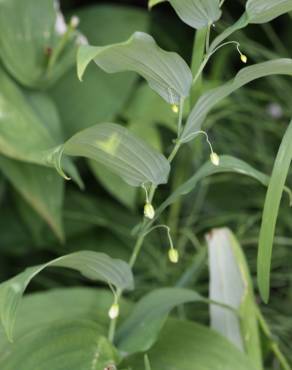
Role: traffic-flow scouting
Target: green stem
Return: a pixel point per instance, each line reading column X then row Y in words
column 138, row 246
column 273, row 345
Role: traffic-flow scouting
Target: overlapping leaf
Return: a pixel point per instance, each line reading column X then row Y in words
column 94, row 266
column 187, row 345
column 166, row 72
column 213, row 97
column 140, row 330
column 227, row 164
column 37, row 28
column 120, row 151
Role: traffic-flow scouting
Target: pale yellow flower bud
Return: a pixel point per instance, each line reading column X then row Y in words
column 243, row 58
column 149, row 211
column 215, row 159
column 174, row 108
column 114, row 311
column 74, row 21
column 173, row 255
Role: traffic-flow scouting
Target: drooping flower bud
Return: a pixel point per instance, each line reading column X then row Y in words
column 114, row 311
column 243, row 58
column 149, row 211
column 173, row 255
column 174, row 108
column 215, row 159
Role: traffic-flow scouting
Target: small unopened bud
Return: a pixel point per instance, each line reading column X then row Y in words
column 174, row 108
column 74, row 22
column 215, row 159
column 173, row 255
column 149, row 211
column 243, row 58
column 114, row 311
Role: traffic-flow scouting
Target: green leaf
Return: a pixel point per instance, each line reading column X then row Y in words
column 92, row 265
column 120, row 190
column 211, row 98
column 166, row 72
column 100, row 96
column 183, row 345
column 121, row 152
column 231, row 284
column 36, row 29
column 68, row 344
column 140, row 330
column 87, row 309
column 271, row 210
column 42, row 189
column 197, row 13
column 227, row 164
column 262, row 11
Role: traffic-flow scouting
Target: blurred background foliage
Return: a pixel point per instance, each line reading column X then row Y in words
column 42, row 217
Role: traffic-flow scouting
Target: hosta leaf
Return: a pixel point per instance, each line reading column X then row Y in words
column 67, row 344
column 227, row 164
column 100, row 96
column 187, row 345
column 94, row 266
column 37, row 27
column 140, row 330
column 197, row 13
column 231, row 284
column 211, row 98
column 87, row 310
column 41, row 187
column 262, row 11
column 120, row 151
column 166, row 72
column 270, row 213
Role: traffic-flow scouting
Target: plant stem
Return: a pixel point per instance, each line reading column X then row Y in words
column 138, row 245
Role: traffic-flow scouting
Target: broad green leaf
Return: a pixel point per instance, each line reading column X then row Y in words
column 38, row 28
column 121, row 152
column 100, row 96
column 92, row 265
column 23, row 135
column 262, row 11
column 166, row 72
column 120, row 190
column 227, row 164
column 41, row 187
column 187, row 345
column 140, row 330
column 270, row 212
column 231, row 284
column 211, row 98
column 197, row 13
column 68, row 344
column 83, row 307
